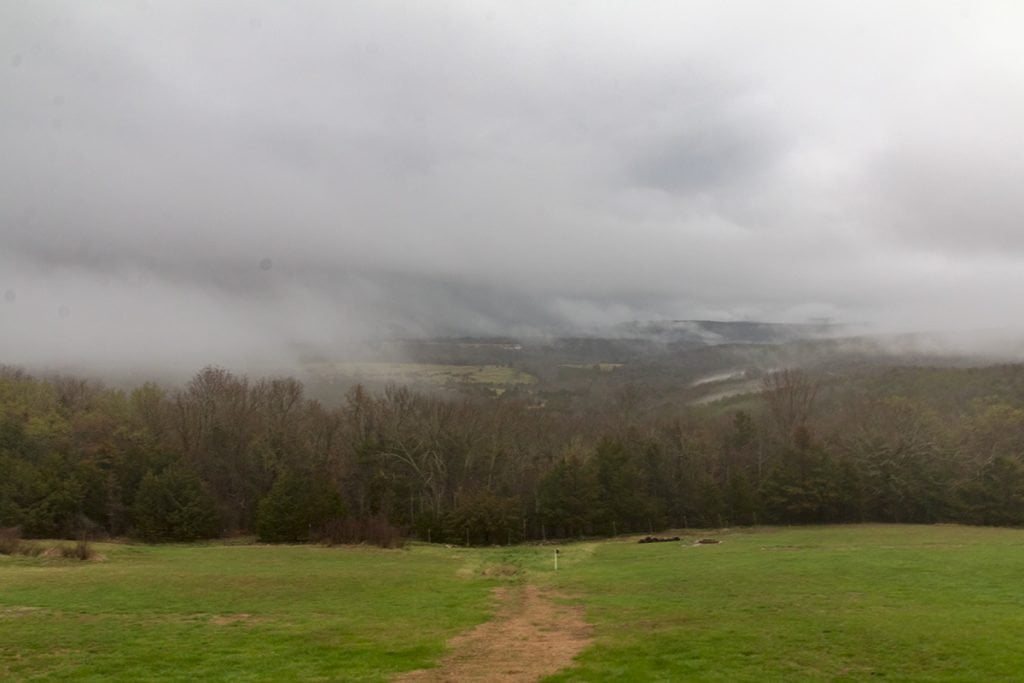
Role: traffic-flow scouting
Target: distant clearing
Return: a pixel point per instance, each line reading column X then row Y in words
column 725, row 390
column 728, row 375
column 599, row 367
column 412, row 373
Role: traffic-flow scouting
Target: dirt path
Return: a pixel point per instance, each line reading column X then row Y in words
column 530, row 637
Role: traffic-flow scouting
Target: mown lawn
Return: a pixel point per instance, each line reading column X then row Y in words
column 832, row 603
column 239, row 612
column 825, row 603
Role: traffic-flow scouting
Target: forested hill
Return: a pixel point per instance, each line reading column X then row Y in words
column 226, row 454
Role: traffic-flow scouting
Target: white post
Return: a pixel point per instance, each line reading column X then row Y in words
column 556, row 559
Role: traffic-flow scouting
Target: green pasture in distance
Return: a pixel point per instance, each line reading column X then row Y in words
column 427, row 372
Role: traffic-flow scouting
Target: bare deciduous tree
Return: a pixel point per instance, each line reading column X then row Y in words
column 790, row 394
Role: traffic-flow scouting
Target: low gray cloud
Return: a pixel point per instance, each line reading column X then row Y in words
column 195, row 182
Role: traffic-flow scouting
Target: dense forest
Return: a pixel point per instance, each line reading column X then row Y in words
column 227, row 455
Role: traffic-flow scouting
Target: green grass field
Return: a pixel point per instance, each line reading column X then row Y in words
column 240, row 612
column 828, row 603
column 832, row 603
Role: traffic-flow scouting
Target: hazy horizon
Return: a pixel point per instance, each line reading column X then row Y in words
column 192, row 183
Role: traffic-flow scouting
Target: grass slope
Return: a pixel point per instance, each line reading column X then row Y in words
column 822, row 603
column 240, row 612
column 834, row 603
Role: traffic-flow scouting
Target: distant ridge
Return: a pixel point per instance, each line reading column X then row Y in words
column 714, row 332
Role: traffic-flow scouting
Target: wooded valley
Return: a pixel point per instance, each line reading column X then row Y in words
column 227, row 454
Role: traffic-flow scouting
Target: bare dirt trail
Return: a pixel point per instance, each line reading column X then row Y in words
column 530, row 637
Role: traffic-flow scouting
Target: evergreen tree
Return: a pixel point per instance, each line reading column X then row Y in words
column 295, row 510
column 174, row 506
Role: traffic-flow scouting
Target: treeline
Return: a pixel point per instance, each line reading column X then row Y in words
column 229, row 455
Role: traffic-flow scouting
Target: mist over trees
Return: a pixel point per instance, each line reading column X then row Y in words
column 227, row 454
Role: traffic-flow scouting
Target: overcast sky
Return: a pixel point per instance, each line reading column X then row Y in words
column 205, row 181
